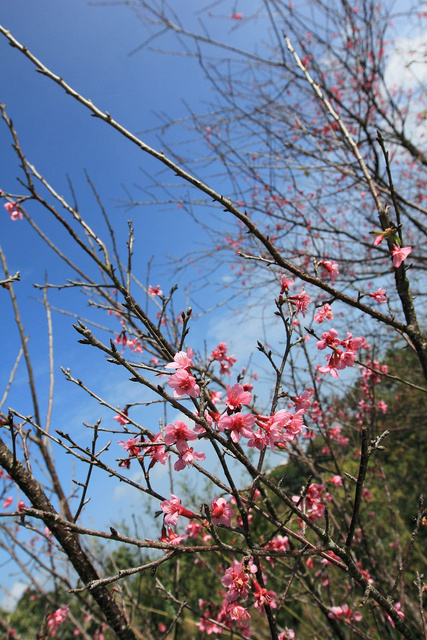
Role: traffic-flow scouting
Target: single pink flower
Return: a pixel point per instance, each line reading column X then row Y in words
column 336, row 480
column 379, row 296
column 8, row 501
column 155, row 291
column 399, row 255
column 181, row 360
column 236, row 396
column 173, row 508
column 221, row 512
column 285, row 283
column 301, row 301
column 179, row 434
column 183, row 384
column 187, row 458
column 329, row 269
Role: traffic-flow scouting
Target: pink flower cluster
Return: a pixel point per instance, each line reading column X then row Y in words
column 179, row 434
column 133, row 344
column 55, row 619
column 345, row 613
column 137, row 447
column 344, row 351
column 220, row 355
column 14, row 211
column 324, row 313
column 313, row 501
column 182, row 382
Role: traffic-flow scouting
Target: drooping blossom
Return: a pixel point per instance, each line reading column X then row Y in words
column 379, row 296
column 287, row 634
column 328, row 269
column 7, row 502
column 187, row 457
column 324, row 313
column 169, row 535
column 221, row 512
column 14, row 211
column 220, row 355
column 237, row 396
column 155, row 291
column 300, row 301
column 181, row 360
column 183, row 383
column 399, row 255
column 173, row 508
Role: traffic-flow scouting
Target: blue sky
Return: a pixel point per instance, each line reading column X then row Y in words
column 89, row 46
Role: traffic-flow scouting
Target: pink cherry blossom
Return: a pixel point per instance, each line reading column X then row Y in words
column 215, row 396
column 183, row 384
column 399, row 255
column 301, row 301
column 263, row 596
column 379, row 296
column 155, row 291
column 344, row 613
column 336, row 480
column 179, row 434
column 285, row 283
column 121, row 419
column 236, row 16
column 329, row 339
column 157, row 453
column 182, row 360
column 173, row 508
column 55, row 619
column 170, row 536
column 328, row 269
column 187, row 458
column 236, row 580
column 221, row 512
column 7, row 502
column 236, row 396
column 397, row 607
column 14, row 211
column 237, row 612
column 238, row 425
column 324, row 313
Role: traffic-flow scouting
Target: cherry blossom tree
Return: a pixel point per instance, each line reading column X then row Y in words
column 326, row 159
